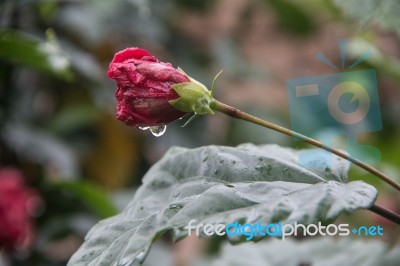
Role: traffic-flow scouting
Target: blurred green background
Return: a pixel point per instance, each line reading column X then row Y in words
column 57, row 106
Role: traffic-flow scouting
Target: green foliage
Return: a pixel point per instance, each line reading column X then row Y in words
column 71, row 118
column 387, row 64
column 384, row 13
column 201, row 5
column 292, row 17
column 25, row 50
column 217, row 184
column 94, row 197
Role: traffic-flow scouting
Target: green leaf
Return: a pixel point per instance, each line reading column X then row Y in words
column 216, row 184
column 25, row 50
column 292, row 17
column 93, row 196
column 71, row 118
column 384, row 13
column 387, row 64
column 322, row 251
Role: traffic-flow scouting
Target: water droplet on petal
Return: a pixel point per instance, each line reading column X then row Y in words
column 158, row 131
column 143, row 128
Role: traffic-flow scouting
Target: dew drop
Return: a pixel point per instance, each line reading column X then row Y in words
column 158, row 131
column 175, row 206
column 179, row 233
column 143, row 128
column 141, row 256
column 126, row 261
column 130, row 260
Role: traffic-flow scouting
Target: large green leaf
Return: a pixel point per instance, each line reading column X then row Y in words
column 384, row 13
column 321, row 252
column 217, row 184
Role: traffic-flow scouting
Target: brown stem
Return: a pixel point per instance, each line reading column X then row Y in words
column 236, row 113
column 388, row 214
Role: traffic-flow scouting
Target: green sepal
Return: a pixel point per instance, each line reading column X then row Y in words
column 190, row 120
column 193, row 97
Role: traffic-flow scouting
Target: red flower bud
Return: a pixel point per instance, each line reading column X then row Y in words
column 17, row 204
column 144, row 88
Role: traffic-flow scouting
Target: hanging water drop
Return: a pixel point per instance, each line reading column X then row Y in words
column 158, row 131
column 143, row 128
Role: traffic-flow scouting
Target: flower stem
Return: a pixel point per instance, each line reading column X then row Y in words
column 388, row 214
column 236, row 113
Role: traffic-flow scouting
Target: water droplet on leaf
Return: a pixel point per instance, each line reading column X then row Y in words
column 179, row 233
column 130, row 260
column 158, row 131
column 141, row 256
column 126, row 261
column 143, row 128
column 175, row 206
